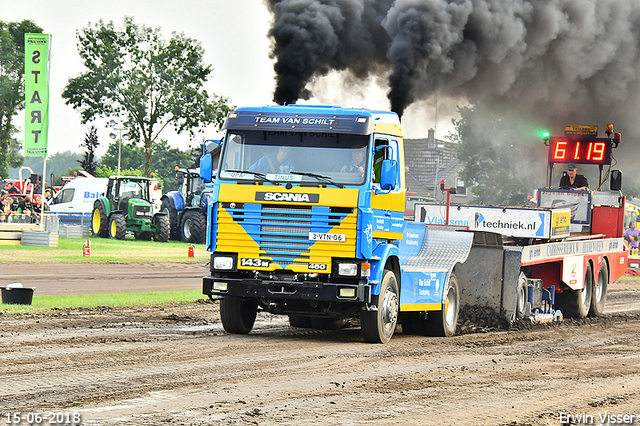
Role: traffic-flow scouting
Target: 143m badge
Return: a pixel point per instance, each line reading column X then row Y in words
column 255, row 263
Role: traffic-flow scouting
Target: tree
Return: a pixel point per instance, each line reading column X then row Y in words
column 503, row 156
column 165, row 159
column 89, row 163
column 146, row 81
column 58, row 164
column 12, row 89
column 131, row 156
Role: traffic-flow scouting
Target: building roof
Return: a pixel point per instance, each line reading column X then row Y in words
column 427, row 163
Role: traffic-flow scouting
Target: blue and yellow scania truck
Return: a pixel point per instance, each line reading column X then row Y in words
column 307, row 221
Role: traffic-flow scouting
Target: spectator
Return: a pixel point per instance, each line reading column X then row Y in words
column 631, row 235
column 25, row 206
column 10, row 188
column 7, row 205
column 39, row 207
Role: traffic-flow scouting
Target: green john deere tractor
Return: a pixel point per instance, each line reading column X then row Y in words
column 126, row 207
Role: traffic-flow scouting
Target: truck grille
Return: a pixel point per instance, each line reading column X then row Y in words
column 282, row 231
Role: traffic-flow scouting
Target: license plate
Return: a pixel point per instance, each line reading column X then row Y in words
column 254, row 263
column 319, row 236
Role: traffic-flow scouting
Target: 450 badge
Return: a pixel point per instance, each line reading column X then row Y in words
column 318, row 266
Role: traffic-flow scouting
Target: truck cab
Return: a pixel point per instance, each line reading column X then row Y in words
column 307, row 200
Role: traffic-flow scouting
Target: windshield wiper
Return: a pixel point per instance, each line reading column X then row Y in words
column 325, row 179
column 258, row 174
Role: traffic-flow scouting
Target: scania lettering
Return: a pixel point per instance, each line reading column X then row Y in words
column 279, row 196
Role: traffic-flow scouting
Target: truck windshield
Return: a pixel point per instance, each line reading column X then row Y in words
column 341, row 158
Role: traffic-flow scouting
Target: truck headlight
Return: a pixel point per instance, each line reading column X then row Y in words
column 348, row 269
column 223, row 262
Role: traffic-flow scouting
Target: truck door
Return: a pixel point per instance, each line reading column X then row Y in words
column 387, row 205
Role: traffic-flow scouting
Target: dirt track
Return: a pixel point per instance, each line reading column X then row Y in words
column 176, row 365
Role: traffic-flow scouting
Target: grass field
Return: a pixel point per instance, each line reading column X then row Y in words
column 90, row 301
column 103, row 250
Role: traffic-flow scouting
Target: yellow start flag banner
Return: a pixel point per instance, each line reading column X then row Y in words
column 36, row 88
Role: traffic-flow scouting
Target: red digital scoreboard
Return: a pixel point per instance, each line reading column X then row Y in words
column 584, row 150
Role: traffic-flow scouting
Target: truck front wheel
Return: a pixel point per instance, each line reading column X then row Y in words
column 238, row 315
column 443, row 323
column 378, row 326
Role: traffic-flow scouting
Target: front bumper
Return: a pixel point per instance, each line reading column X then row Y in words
column 286, row 290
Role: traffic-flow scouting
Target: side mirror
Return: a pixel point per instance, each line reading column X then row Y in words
column 615, row 182
column 206, row 168
column 388, row 175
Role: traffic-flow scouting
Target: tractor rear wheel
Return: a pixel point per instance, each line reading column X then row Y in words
column 99, row 221
column 172, row 214
column 193, row 227
column 162, row 228
column 117, row 226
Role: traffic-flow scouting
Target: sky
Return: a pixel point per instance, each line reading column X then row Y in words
column 234, row 37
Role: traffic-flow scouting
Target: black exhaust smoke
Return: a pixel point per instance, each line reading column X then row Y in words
column 555, row 58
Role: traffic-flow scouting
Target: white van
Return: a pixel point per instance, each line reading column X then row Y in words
column 74, row 203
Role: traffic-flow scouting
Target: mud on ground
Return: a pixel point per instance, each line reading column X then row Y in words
column 176, row 365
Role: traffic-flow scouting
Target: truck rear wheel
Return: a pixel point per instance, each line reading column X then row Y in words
column 443, row 323
column 162, row 228
column 238, row 315
column 193, row 227
column 378, row 326
column 599, row 293
column 521, row 303
column 99, row 221
column 117, row 227
column 576, row 303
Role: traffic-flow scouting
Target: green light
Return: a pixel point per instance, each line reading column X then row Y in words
column 545, row 135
